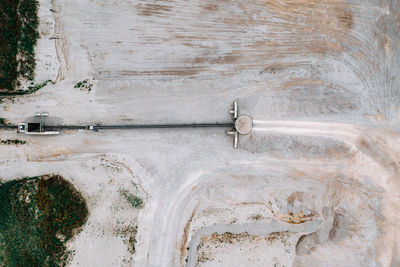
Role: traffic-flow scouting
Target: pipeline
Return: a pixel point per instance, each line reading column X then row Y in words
column 8, row 127
column 126, row 127
column 138, row 126
column 240, row 125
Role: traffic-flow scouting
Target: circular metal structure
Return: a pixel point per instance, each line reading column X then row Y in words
column 244, row 124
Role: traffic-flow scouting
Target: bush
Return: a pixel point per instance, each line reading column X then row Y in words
column 18, row 38
column 38, row 215
column 13, row 141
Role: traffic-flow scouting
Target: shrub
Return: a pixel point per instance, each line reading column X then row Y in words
column 38, row 215
column 18, row 38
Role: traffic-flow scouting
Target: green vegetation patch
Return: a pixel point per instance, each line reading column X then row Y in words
column 18, row 38
column 84, row 85
column 31, row 89
column 38, row 215
column 13, row 142
column 135, row 201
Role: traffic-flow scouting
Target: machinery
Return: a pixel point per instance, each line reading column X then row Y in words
column 35, row 128
column 242, row 124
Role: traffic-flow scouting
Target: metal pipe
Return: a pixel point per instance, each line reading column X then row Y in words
column 163, row 126
column 140, row 126
column 8, row 127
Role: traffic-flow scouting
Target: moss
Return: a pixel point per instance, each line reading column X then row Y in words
column 18, row 38
column 38, row 215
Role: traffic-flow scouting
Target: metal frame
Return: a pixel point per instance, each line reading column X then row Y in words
column 235, row 131
column 234, row 111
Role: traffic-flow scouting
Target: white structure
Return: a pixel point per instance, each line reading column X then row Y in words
column 243, row 124
column 35, row 128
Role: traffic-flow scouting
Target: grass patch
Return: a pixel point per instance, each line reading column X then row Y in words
column 38, row 215
column 18, row 38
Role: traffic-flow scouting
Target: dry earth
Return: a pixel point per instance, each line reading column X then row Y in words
column 317, row 181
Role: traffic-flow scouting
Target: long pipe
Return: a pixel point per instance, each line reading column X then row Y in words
column 8, row 127
column 125, row 127
column 142, row 126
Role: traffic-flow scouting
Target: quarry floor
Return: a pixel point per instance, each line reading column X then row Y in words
column 316, row 183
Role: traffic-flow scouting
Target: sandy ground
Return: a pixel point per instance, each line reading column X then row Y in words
column 320, row 168
column 231, row 249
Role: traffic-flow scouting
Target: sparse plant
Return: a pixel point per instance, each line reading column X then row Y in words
column 256, row 217
column 128, row 233
column 135, row 201
column 31, row 89
column 84, row 85
column 13, row 142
